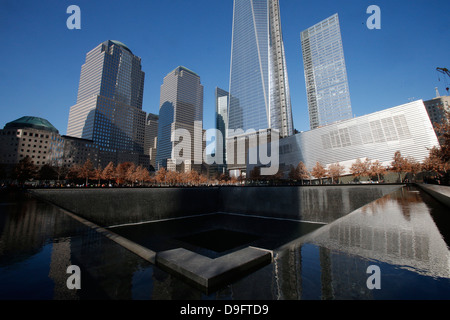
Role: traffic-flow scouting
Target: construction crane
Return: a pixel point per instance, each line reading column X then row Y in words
column 444, row 71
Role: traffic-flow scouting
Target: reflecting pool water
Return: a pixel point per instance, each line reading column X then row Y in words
column 405, row 234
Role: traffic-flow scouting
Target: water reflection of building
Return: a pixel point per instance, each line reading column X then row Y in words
column 24, row 229
column 60, row 260
column 397, row 229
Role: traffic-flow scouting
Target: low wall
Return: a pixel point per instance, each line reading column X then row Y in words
column 113, row 206
column 309, row 203
column 109, row 206
column 440, row 193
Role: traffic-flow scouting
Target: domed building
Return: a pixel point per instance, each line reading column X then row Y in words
column 30, row 136
column 31, row 122
column 40, row 140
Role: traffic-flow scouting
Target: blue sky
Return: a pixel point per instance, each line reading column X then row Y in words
column 41, row 59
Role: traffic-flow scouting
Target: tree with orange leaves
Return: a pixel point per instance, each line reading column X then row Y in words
column 319, row 171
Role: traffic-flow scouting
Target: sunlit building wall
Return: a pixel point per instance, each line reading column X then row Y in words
column 109, row 104
column 377, row 136
column 181, row 107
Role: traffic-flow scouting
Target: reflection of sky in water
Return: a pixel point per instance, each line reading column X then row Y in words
column 403, row 233
column 28, row 278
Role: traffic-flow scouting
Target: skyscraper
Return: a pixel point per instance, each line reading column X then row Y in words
column 259, row 88
column 151, row 137
column 325, row 73
column 109, row 104
column 181, row 107
column 221, row 121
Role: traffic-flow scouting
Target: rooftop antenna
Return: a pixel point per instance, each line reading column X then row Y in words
column 437, row 92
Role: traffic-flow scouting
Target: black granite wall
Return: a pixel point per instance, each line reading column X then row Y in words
column 110, row 206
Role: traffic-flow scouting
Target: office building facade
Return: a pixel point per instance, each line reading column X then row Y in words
column 259, row 86
column 222, row 98
column 436, row 109
column 39, row 140
column 109, row 103
column 181, row 107
column 31, row 137
column 377, row 136
column 326, row 81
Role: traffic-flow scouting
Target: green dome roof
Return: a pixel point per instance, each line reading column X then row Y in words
column 31, row 122
column 121, row 44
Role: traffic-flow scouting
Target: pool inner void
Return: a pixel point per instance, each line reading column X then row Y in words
column 219, row 240
column 210, row 251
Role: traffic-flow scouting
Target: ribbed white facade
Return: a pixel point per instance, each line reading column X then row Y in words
column 377, row 136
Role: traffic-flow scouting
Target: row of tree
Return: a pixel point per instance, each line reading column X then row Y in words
column 126, row 173
column 360, row 168
column 437, row 163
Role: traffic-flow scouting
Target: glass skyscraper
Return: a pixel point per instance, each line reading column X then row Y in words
column 181, row 107
column 109, row 104
column 259, row 88
column 325, row 73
